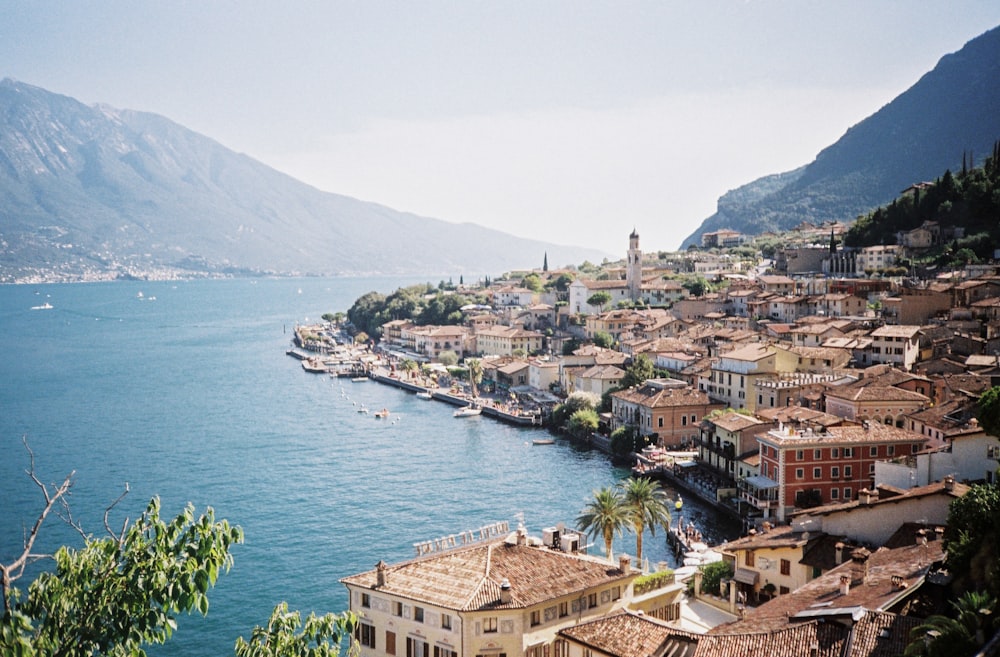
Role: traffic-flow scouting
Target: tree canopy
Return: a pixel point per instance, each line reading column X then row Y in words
column 122, row 592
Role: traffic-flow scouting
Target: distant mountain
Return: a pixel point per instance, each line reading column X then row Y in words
column 951, row 111
column 93, row 192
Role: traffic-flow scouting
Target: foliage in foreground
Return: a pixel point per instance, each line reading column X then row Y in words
column 120, row 593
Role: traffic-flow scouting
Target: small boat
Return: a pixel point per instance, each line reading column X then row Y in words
column 44, row 306
column 467, row 411
column 424, row 395
column 384, row 413
column 362, row 409
column 543, row 441
column 359, row 379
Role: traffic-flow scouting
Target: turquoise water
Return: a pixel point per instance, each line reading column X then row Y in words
column 186, row 392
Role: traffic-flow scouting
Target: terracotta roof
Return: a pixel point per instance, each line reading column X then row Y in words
column 735, row 421
column 794, row 640
column 937, row 488
column 877, row 581
column 863, row 391
column 630, row 635
column 468, row 578
column 895, row 331
column 838, row 435
column 654, row 397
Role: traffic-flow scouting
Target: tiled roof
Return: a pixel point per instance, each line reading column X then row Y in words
column 794, row 640
column 937, row 488
column 468, row 578
column 736, row 421
column 895, row 331
column 871, row 586
column 876, row 432
column 654, row 397
column 863, row 391
column 630, row 635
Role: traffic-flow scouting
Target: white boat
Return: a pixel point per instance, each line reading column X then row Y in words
column 44, row 306
column 424, row 395
column 467, row 411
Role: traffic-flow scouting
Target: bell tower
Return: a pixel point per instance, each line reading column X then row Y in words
column 633, row 270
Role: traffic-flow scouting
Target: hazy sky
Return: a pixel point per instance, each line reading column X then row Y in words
column 572, row 122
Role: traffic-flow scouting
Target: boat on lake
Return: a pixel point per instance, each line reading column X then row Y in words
column 543, row 441
column 467, row 411
column 424, row 395
column 380, row 415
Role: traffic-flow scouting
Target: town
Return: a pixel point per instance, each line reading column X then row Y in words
column 827, row 397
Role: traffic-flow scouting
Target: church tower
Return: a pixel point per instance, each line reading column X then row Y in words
column 633, row 271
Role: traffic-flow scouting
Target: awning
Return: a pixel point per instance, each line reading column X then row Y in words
column 761, row 482
column 745, row 576
column 686, row 464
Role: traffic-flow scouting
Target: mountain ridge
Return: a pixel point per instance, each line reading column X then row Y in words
column 951, row 110
column 92, row 189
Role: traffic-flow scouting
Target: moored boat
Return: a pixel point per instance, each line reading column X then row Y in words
column 467, row 411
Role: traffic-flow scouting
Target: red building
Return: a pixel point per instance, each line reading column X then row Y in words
column 805, row 468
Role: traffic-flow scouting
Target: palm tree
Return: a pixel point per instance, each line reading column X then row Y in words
column 647, row 506
column 409, row 366
column 604, row 516
column 943, row 636
column 475, row 374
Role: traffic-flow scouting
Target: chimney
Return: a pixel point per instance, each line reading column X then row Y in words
column 381, row 574
column 839, row 552
column 860, row 556
column 624, row 563
column 949, row 483
column 505, row 595
column 921, row 537
column 845, row 584
column 522, row 536
column 866, row 496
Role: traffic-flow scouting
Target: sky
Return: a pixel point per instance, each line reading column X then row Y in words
column 572, row 122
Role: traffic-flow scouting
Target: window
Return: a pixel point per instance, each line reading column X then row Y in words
column 891, row 449
column 873, row 451
column 489, row 624
column 847, row 472
column 418, row 614
column 835, row 452
column 561, row 648
column 799, row 455
column 659, row 421
column 591, row 600
column 441, row 651
column 847, row 493
column 417, row 648
column 786, row 567
column 366, row 600
column 834, row 472
column 817, row 473
column 397, row 608
column 784, row 590
column 684, row 420
column 817, row 454
column 848, row 452
column 365, row 634
column 390, row 643
column 694, row 419
column 834, row 494
column 563, row 609
column 616, row 593
column 536, row 618
column 445, row 621
column 748, row 558
column 800, row 473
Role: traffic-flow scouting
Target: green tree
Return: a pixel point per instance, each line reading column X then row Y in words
column 118, row 593
column 448, row 358
column 989, row 411
column 972, row 538
column 712, row 575
column 638, row 372
column 603, row 339
column 533, row 282
column 287, row 636
column 647, row 506
column 475, row 369
column 599, row 299
column 604, row 516
column 964, row 632
column 583, row 422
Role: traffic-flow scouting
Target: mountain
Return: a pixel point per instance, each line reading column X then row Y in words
column 952, row 111
column 97, row 192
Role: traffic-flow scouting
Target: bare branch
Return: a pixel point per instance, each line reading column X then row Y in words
column 13, row 571
column 118, row 537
